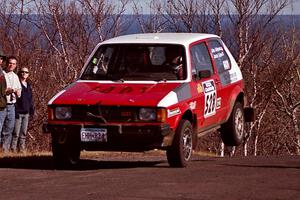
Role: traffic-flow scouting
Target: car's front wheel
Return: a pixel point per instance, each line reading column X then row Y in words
column 181, row 150
column 65, row 150
column 232, row 132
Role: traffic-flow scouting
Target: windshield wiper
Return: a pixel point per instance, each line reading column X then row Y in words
column 118, row 80
column 115, row 78
column 161, row 80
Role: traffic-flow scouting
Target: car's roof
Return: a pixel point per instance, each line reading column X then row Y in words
column 168, row 38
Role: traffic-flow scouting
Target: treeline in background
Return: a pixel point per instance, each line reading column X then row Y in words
column 53, row 38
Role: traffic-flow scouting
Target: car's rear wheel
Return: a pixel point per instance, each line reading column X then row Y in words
column 181, row 150
column 65, row 150
column 232, row 132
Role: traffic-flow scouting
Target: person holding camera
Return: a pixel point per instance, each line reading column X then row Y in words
column 13, row 91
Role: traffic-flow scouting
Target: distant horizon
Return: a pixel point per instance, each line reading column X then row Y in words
column 292, row 9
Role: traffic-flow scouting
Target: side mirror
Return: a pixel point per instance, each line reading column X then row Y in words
column 204, row 74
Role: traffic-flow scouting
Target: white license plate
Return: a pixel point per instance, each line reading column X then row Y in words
column 93, row 134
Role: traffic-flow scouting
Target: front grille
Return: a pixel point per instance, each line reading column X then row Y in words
column 105, row 113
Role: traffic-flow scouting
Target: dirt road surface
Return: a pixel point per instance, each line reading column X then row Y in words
column 143, row 176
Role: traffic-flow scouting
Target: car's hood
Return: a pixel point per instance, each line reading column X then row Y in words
column 126, row 94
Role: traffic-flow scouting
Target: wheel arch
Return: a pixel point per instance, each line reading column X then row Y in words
column 185, row 113
column 239, row 97
column 188, row 115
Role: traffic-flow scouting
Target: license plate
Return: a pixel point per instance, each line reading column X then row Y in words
column 93, row 134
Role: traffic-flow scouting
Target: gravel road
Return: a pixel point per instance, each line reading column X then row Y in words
column 147, row 176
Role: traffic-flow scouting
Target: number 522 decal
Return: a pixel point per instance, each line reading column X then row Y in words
column 210, row 102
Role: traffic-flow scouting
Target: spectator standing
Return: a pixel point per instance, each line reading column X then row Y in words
column 13, row 91
column 24, row 108
column 2, row 91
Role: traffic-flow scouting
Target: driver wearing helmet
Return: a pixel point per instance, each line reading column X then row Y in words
column 174, row 62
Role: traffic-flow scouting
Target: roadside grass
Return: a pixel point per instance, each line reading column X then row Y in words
column 27, row 154
column 102, row 154
column 89, row 160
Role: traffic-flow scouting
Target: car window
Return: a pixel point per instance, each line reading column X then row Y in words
column 200, row 58
column 220, row 56
column 135, row 62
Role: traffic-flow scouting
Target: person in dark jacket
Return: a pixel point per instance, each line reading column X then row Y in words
column 2, row 92
column 2, row 83
column 24, row 109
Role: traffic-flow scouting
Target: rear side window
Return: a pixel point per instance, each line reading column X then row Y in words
column 220, row 56
column 200, row 58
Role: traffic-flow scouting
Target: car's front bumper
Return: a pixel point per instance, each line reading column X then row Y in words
column 120, row 137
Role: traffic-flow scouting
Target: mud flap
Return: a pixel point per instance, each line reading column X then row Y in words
column 249, row 114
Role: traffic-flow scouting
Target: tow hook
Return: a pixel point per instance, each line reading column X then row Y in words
column 62, row 138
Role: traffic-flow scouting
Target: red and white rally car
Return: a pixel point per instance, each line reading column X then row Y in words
column 150, row 91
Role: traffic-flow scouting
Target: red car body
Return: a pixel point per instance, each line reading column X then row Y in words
column 127, row 100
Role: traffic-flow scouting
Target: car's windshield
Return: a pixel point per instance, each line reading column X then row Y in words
column 134, row 62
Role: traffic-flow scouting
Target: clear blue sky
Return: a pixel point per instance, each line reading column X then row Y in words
column 292, row 9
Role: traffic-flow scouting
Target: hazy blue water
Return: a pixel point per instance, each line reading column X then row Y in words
column 280, row 21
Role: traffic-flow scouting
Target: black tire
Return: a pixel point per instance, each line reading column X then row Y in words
column 65, row 150
column 182, row 147
column 232, row 132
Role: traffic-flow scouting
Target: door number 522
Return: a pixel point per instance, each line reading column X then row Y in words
column 210, row 102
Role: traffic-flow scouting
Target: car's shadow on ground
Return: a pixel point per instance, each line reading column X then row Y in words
column 47, row 163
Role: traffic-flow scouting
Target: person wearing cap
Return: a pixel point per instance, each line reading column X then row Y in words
column 2, row 91
column 13, row 91
column 24, row 109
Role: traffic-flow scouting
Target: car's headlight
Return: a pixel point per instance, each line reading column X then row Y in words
column 147, row 114
column 63, row 112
